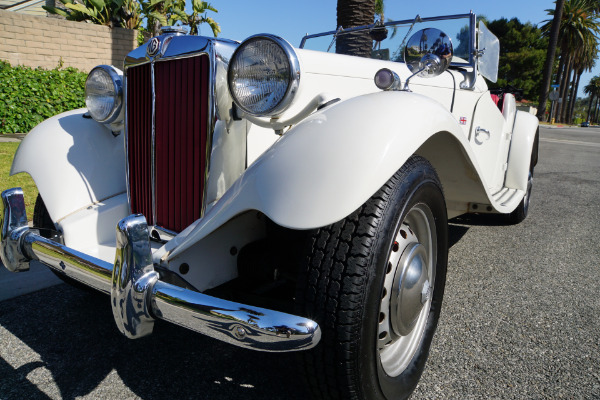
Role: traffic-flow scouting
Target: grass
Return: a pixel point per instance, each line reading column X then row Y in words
column 23, row 180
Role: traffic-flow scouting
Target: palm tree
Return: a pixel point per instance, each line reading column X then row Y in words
column 554, row 31
column 585, row 61
column 578, row 29
column 593, row 90
column 352, row 13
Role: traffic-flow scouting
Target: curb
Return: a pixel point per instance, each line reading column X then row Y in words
column 12, row 137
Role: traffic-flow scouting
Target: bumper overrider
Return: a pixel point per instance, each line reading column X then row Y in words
column 138, row 297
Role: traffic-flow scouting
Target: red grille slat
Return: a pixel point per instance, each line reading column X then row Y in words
column 178, row 147
column 139, row 136
column 181, row 131
column 198, row 145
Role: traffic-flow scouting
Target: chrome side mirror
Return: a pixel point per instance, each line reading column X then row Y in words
column 428, row 53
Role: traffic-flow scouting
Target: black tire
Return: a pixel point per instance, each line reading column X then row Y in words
column 520, row 213
column 41, row 218
column 43, row 222
column 343, row 283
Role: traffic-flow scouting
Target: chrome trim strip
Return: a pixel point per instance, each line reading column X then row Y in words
column 212, row 115
column 138, row 297
column 471, row 76
column 153, row 145
column 473, row 39
column 126, row 132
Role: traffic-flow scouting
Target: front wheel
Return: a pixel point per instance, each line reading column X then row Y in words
column 375, row 282
column 520, row 213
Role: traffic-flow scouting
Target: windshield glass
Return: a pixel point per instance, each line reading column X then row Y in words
column 387, row 43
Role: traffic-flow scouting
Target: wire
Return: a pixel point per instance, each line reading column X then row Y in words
column 453, row 92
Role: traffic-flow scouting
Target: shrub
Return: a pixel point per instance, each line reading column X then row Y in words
column 29, row 96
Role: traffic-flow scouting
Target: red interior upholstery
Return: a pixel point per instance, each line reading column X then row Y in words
column 496, row 99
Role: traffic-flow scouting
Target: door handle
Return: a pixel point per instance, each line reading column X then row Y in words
column 482, row 134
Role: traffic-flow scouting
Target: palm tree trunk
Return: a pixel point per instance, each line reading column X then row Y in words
column 564, row 54
column 574, row 90
column 351, row 13
column 559, row 75
column 590, row 107
column 549, row 63
column 564, row 87
column 567, row 100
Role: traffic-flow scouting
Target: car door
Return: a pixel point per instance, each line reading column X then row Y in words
column 490, row 142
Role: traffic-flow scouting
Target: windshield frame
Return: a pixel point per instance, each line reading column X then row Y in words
column 472, row 32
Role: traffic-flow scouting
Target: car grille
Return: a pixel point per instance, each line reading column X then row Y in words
column 181, row 119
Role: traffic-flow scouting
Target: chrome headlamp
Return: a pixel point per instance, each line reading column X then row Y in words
column 104, row 93
column 264, row 75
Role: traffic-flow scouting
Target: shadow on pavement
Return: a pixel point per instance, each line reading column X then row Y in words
column 77, row 341
column 458, row 226
column 480, row 220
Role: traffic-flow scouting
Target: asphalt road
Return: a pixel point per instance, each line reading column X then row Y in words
column 521, row 318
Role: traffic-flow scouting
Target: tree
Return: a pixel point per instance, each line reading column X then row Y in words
column 522, row 54
column 593, row 90
column 109, row 13
column 549, row 63
column 353, row 13
column 131, row 13
column 577, row 34
column 584, row 61
column 198, row 17
column 578, row 30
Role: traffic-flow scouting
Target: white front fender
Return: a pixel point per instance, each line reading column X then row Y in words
column 328, row 165
column 74, row 162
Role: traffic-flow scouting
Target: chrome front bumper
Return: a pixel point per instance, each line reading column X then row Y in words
column 138, row 297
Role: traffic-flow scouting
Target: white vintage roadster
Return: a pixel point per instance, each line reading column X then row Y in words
column 280, row 198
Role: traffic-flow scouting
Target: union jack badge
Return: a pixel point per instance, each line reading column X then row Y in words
column 463, row 120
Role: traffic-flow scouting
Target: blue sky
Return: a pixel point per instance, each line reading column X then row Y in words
column 291, row 20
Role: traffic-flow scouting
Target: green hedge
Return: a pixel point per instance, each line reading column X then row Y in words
column 28, row 96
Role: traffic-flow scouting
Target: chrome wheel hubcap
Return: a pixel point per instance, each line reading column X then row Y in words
column 407, row 291
column 410, row 282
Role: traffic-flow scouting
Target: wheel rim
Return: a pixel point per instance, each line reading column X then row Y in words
column 408, row 290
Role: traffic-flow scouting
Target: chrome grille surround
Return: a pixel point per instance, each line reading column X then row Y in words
column 172, row 48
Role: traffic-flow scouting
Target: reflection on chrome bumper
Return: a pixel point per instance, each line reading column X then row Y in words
column 138, row 297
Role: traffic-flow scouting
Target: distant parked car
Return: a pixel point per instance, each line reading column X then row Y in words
column 585, row 124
